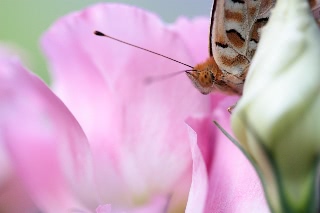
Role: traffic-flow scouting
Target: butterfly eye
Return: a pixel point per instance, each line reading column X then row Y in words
column 205, row 79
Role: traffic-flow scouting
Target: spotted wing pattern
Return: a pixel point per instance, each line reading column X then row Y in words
column 235, row 32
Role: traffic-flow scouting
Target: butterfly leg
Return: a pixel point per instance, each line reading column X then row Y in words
column 230, row 108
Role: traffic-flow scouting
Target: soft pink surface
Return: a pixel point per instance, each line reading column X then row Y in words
column 134, row 145
column 136, row 131
column 46, row 145
column 195, row 34
column 199, row 187
column 13, row 195
column 156, row 205
column 233, row 185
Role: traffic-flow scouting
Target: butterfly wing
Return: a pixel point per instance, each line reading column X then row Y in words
column 211, row 42
column 235, row 32
column 315, row 5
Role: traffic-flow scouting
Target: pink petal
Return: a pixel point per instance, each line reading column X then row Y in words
column 136, row 131
column 46, row 144
column 234, row 185
column 104, row 209
column 203, row 136
column 195, row 34
column 13, row 195
column 199, row 186
column 156, row 205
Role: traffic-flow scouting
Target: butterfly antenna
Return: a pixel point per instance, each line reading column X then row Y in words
column 98, row 33
column 152, row 79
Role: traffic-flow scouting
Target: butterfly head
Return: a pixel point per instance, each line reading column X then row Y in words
column 203, row 76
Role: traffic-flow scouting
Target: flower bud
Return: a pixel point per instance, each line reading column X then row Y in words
column 277, row 121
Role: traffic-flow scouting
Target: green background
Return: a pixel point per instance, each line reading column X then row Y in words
column 23, row 21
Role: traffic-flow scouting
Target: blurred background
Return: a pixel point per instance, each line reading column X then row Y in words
column 22, row 22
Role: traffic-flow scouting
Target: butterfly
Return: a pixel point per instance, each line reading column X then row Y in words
column 234, row 35
column 235, row 31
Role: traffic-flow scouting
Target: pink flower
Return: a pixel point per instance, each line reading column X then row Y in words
column 106, row 141
column 223, row 179
column 13, row 195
